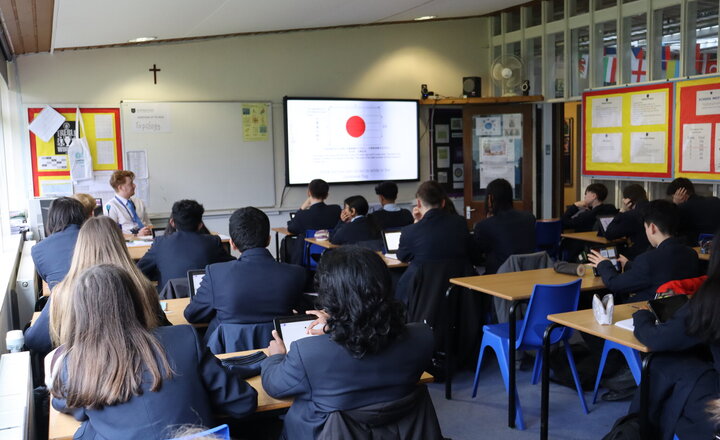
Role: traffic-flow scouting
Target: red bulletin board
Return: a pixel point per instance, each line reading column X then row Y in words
column 697, row 138
column 626, row 161
column 42, row 151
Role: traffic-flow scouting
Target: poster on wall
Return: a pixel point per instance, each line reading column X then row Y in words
column 696, row 133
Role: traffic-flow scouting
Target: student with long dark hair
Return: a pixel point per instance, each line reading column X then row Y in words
column 124, row 380
column 364, row 354
column 355, row 226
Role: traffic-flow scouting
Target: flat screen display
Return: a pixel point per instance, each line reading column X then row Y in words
column 351, row 140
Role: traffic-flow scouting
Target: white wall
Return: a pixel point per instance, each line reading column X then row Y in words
column 389, row 61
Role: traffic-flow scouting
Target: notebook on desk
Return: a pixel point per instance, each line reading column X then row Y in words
column 391, row 242
column 195, row 277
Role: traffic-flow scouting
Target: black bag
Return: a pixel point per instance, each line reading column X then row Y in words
column 625, row 428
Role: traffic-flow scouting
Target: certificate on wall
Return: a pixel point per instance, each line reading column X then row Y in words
column 649, row 108
column 607, row 147
column 607, row 112
column 648, row 147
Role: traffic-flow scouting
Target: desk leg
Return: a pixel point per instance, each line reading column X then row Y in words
column 545, row 394
column 511, row 385
column 645, row 396
column 451, row 303
column 277, row 247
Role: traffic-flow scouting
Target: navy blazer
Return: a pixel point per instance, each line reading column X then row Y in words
column 392, row 219
column 324, row 377
column 317, row 216
column 630, row 224
column 699, row 215
column 252, row 289
column 582, row 221
column 671, row 260
column 199, row 388
column 53, row 255
column 505, row 233
column 171, row 256
column 439, row 235
column 37, row 336
column 358, row 230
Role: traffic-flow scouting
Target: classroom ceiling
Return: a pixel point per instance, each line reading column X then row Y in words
column 46, row 25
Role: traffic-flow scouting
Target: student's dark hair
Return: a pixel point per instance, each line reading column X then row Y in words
column 635, row 192
column 359, row 204
column 187, row 215
column 665, row 215
column 355, row 289
column 388, row 190
column 450, row 206
column 319, row 189
column 502, row 196
column 704, row 319
column 63, row 212
column 599, row 190
column 680, row 182
column 249, row 228
column 431, row 194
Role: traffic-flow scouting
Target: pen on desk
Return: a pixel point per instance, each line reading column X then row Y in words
column 635, row 307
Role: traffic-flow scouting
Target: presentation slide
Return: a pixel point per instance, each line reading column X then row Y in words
column 351, row 140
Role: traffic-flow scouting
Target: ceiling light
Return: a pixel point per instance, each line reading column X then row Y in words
column 425, row 17
column 142, row 39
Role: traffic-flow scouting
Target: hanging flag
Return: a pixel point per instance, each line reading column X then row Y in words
column 698, row 59
column 638, row 67
column 666, row 56
column 610, row 68
column 583, row 65
column 710, row 65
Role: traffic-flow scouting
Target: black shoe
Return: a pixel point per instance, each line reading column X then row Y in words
column 621, row 380
column 622, row 394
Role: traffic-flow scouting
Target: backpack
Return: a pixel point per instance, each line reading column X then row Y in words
column 625, row 428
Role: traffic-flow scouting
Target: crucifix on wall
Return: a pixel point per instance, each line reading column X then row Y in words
column 154, row 70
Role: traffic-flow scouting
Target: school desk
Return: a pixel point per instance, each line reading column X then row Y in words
column 701, row 256
column 590, row 237
column 391, row 263
column 279, row 231
column 138, row 250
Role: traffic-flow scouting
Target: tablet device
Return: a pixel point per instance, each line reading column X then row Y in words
column 665, row 308
column 391, row 242
column 195, row 277
column 610, row 253
column 292, row 215
column 292, row 328
column 605, row 221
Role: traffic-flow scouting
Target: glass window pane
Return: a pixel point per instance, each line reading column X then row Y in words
column 703, row 189
column 658, row 190
column 703, row 16
column 497, row 144
column 497, row 29
column 635, row 62
column 555, row 10
column 666, row 45
column 604, row 4
column 579, row 60
column 533, row 64
column 556, row 68
column 610, row 185
column 606, row 56
column 513, row 49
column 497, row 89
column 512, row 20
column 533, row 14
column 579, row 7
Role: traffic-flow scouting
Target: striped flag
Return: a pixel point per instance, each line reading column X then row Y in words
column 669, row 65
column 638, row 66
column 610, row 65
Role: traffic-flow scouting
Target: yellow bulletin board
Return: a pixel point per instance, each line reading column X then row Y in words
column 697, row 129
column 628, row 131
column 50, row 166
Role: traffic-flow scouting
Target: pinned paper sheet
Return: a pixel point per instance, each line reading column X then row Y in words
column 607, row 147
column 603, row 309
column 137, row 163
column 648, row 147
column 46, row 123
column 104, row 126
column 607, row 112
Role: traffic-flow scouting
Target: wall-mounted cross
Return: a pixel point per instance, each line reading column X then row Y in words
column 154, row 70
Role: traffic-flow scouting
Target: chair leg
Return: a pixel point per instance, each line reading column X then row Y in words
column 633, row 359
column 477, row 369
column 601, row 367
column 537, row 368
column 576, row 378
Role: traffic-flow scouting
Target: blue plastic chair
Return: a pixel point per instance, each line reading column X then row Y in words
column 309, row 249
column 545, row 300
column 218, row 432
column 547, row 236
column 631, row 356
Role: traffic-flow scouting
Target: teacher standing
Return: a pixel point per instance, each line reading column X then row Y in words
column 128, row 211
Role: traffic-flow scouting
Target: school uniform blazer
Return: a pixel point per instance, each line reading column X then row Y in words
column 324, row 377
column 392, row 219
column 505, row 233
column 317, row 216
column 52, row 256
column 583, row 221
column 360, row 229
column 37, row 336
column 252, row 289
column 630, row 224
column 118, row 211
column 171, row 256
column 699, row 215
column 198, row 388
column 671, row 260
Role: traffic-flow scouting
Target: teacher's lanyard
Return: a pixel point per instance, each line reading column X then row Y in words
column 132, row 217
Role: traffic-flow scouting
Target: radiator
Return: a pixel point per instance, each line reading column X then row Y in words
column 16, row 397
column 26, row 286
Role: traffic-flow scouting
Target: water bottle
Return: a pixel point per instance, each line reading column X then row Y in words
column 14, row 341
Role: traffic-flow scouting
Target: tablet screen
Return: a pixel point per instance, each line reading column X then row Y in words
column 293, row 328
column 392, row 241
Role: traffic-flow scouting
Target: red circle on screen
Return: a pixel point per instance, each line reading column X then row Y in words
column 355, row 126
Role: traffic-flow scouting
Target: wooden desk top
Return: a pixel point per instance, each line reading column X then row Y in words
column 137, row 252
column 584, row 321
column 591, row 237
column 515, row 286
column 63, row 426
column 701, row 256
column 282, row 231
column 391, row 263
column 324, row 243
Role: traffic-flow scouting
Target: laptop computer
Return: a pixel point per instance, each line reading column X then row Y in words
column 391, row 242
column 195, row 277
column 603, row 222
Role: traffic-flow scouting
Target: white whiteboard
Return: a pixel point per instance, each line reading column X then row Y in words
column 197, row 152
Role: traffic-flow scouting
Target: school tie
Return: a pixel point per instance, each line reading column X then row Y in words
column 136, row 219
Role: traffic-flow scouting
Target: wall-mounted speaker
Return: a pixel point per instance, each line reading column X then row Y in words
column 472, row 86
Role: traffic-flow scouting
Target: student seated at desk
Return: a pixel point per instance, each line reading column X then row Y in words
column 355, row 225
column 364, row 354
column 252, row 289
column 669, row 259
column 390, row 216
column 89, row 203
column 582, row 215
column 313, row 214
column 698, row 215
column 124, row 378
column 629, row 223
column 127, row 211
column 52, row 256
column 171, row 256
column 99, row 242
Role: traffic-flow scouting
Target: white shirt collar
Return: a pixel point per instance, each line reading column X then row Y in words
column 356, row 217
column 122, row 199
column 391, row 207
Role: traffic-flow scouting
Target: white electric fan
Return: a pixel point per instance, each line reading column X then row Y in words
column 507, row 71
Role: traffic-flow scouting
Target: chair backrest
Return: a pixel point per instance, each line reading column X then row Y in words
column 522, row 262
column 221, row 432
column 309, row 249
column 228, row 338
column 547, row 300
column 547, row 235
